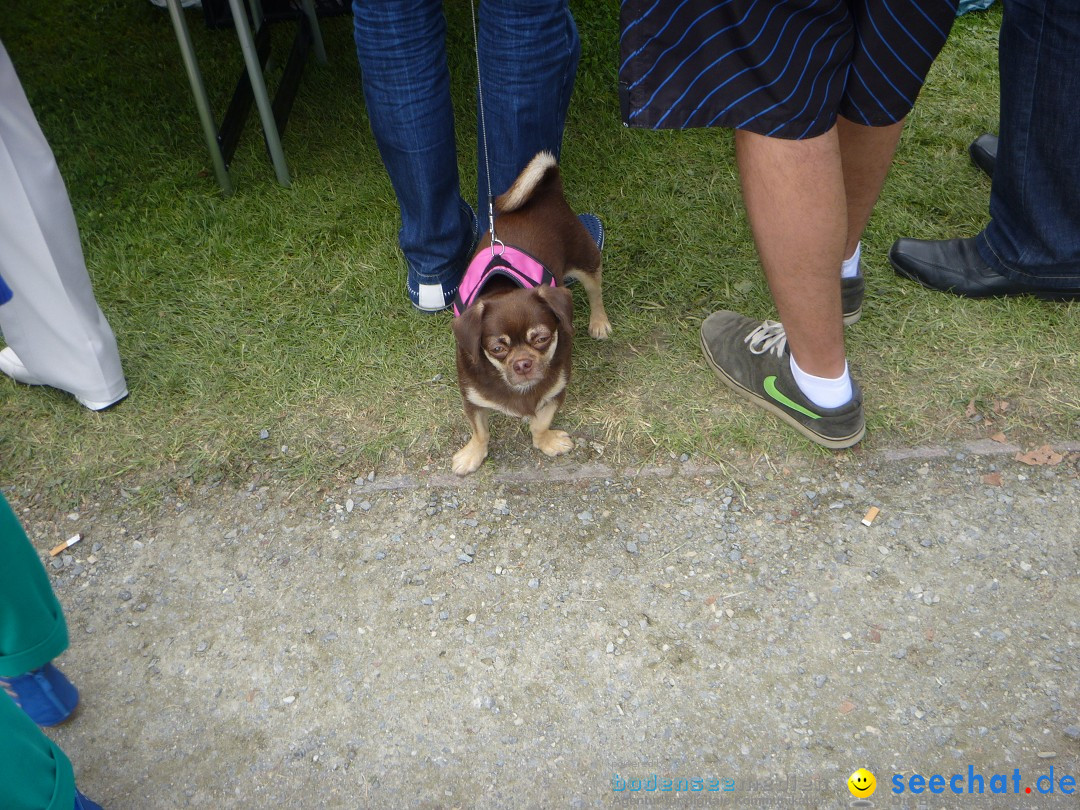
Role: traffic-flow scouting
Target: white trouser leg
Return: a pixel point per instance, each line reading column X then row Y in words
column 53, row 322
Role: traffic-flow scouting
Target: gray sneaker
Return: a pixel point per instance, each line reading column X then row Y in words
column 851, row 296
column 751, row 358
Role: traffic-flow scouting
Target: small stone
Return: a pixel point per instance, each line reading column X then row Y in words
column 820, row 680
column 380, row 555
column 534, row 583
column 631, row 547
column 73, row 516
column 1072, row 732
column 365, row 505
column 349, row 504
column 444, row 615
column 288, row 699
column 427, row 600
column 125, row 595
column 471, row 618
column 900, row 654
column 96, row 547
column 264, row 434
column 1047, row 754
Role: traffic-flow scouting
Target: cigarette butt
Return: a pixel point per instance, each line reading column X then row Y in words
column 75, row 538
column 871, row 513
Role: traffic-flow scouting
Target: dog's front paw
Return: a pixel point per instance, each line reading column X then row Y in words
column 553, row 442
column 469, row 458
column 599, row 326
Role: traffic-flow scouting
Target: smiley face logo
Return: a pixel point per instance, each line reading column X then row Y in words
column 862, row 784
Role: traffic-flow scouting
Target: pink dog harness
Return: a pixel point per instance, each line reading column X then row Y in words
column 510, row 262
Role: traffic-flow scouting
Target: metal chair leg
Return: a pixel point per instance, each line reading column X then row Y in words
column 198, row 90
column 316, row 32
column 258, row 86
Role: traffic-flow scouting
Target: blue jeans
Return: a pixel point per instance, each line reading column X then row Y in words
column 529, row 53
column 1034, row 231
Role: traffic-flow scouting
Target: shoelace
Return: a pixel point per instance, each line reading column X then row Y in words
column 768, row 336
column 43, row 684
column 5, row 684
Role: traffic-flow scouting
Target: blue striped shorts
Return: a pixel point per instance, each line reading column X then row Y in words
column 784, row 68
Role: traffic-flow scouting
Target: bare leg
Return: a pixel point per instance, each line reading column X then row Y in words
column 866, row 154
column 795, row 201
column 549, row 442
column 472, row 455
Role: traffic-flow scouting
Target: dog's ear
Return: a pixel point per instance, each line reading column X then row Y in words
column 560, row 301
column 468, row 330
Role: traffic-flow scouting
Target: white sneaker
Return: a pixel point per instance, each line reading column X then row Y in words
column 11, row 365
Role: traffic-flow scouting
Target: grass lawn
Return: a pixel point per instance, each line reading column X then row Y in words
column 285, row 310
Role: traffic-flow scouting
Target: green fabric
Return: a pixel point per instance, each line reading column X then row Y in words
column 34, row 773
column 32, row 627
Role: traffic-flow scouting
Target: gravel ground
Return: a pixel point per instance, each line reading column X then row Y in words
column 538, row 635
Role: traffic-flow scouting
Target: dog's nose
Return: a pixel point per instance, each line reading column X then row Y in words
column 523, row 365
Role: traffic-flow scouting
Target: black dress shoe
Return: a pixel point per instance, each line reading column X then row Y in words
column 955, row 265
column 983, row 151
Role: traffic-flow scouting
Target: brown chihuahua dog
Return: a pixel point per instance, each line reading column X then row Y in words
column 514, row 320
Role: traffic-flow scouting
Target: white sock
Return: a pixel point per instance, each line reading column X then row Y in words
column 850, row 267
column 824, row 392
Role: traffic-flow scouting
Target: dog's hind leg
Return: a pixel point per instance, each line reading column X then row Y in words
column 592, row 281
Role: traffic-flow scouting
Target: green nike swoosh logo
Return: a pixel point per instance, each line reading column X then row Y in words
column 774, row 392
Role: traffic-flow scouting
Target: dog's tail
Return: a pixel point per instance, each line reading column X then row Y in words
column 541, row 170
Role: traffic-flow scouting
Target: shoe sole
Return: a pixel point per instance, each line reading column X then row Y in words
column 101, row 407
column 852, row 317
column 825, row 441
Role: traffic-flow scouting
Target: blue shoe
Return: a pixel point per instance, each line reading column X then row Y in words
column 83, row 803
column 595, row 228
column 44, row 694
column 438, row 295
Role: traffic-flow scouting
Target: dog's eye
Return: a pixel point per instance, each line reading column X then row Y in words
column 498, row 350
column 541, row 340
